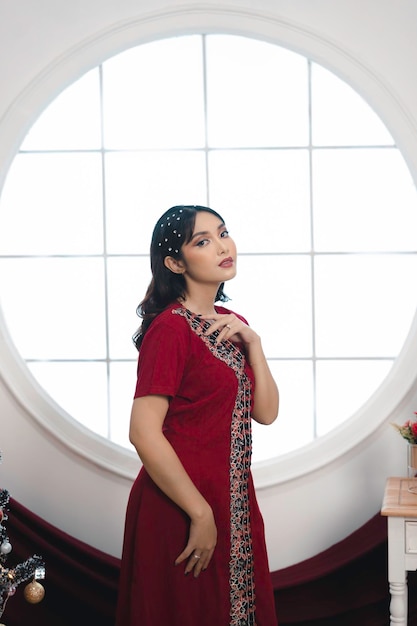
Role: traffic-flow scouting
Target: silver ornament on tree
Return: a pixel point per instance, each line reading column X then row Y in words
column 10, row 577
column 6, row 547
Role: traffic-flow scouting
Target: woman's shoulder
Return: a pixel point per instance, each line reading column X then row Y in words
column 166, row 329
column 169, row 320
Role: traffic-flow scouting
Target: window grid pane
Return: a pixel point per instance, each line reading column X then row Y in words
column 324, row 215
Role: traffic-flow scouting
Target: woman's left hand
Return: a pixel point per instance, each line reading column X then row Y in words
column 266, row 396
column 230, row 327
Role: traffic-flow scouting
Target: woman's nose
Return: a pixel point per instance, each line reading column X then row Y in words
column 223, row 247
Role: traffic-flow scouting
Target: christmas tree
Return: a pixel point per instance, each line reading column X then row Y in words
column 32, row 569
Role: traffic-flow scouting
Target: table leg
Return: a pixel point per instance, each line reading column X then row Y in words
column 397, row 572
column 398, row 604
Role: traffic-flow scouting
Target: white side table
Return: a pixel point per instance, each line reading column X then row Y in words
column 400, row 506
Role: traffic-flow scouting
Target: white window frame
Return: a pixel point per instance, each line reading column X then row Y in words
column 65, row 70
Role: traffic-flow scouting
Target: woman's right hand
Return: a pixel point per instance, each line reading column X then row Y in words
column 201, row 543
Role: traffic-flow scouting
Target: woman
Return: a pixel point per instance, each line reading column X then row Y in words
column 194, row 550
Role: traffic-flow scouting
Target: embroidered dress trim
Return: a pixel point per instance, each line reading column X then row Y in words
column 242, row 586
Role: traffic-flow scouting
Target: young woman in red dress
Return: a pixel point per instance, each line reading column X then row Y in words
column 194, row 549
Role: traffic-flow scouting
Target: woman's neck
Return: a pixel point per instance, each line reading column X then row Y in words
column 200, row 306
column 200, row 298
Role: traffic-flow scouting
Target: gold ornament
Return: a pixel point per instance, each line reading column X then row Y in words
column 34, row 592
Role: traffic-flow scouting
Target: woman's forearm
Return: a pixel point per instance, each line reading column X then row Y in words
column 164, row 467
column 266, row 396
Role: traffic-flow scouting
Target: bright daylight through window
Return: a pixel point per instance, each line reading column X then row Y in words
column 315, row 193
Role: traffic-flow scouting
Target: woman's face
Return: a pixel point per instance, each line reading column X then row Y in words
column 210, row 256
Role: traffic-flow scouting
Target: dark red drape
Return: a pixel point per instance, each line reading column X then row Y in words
column 80, row 583
column 344, row 585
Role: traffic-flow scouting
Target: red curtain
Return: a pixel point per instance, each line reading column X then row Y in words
column 344, row 585
column 80, row 583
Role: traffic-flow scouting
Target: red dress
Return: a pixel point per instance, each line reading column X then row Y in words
column 209, row 426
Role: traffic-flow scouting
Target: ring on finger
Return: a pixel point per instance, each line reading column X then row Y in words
column 197, row 556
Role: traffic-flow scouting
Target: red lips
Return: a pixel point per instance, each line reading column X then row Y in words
column 226, row 262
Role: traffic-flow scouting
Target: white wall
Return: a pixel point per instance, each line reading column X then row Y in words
column 311, row 499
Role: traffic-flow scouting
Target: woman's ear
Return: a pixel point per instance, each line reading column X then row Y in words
column 175, row 265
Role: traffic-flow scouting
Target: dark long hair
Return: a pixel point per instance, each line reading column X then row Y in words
column 173, row 229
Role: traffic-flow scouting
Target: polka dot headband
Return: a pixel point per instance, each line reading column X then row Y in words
column 170, row 235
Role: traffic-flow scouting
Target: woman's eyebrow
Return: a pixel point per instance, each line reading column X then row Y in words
column 202, row 232
column 206, row 232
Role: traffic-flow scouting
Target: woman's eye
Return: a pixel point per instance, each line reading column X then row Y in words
column 201, row 243
column 224, row 233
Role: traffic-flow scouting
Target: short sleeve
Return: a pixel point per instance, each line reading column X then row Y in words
column 162, row 357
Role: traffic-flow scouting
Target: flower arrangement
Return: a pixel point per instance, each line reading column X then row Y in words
column 408, row 430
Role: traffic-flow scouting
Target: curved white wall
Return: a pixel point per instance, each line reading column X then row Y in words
column 371, row 44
